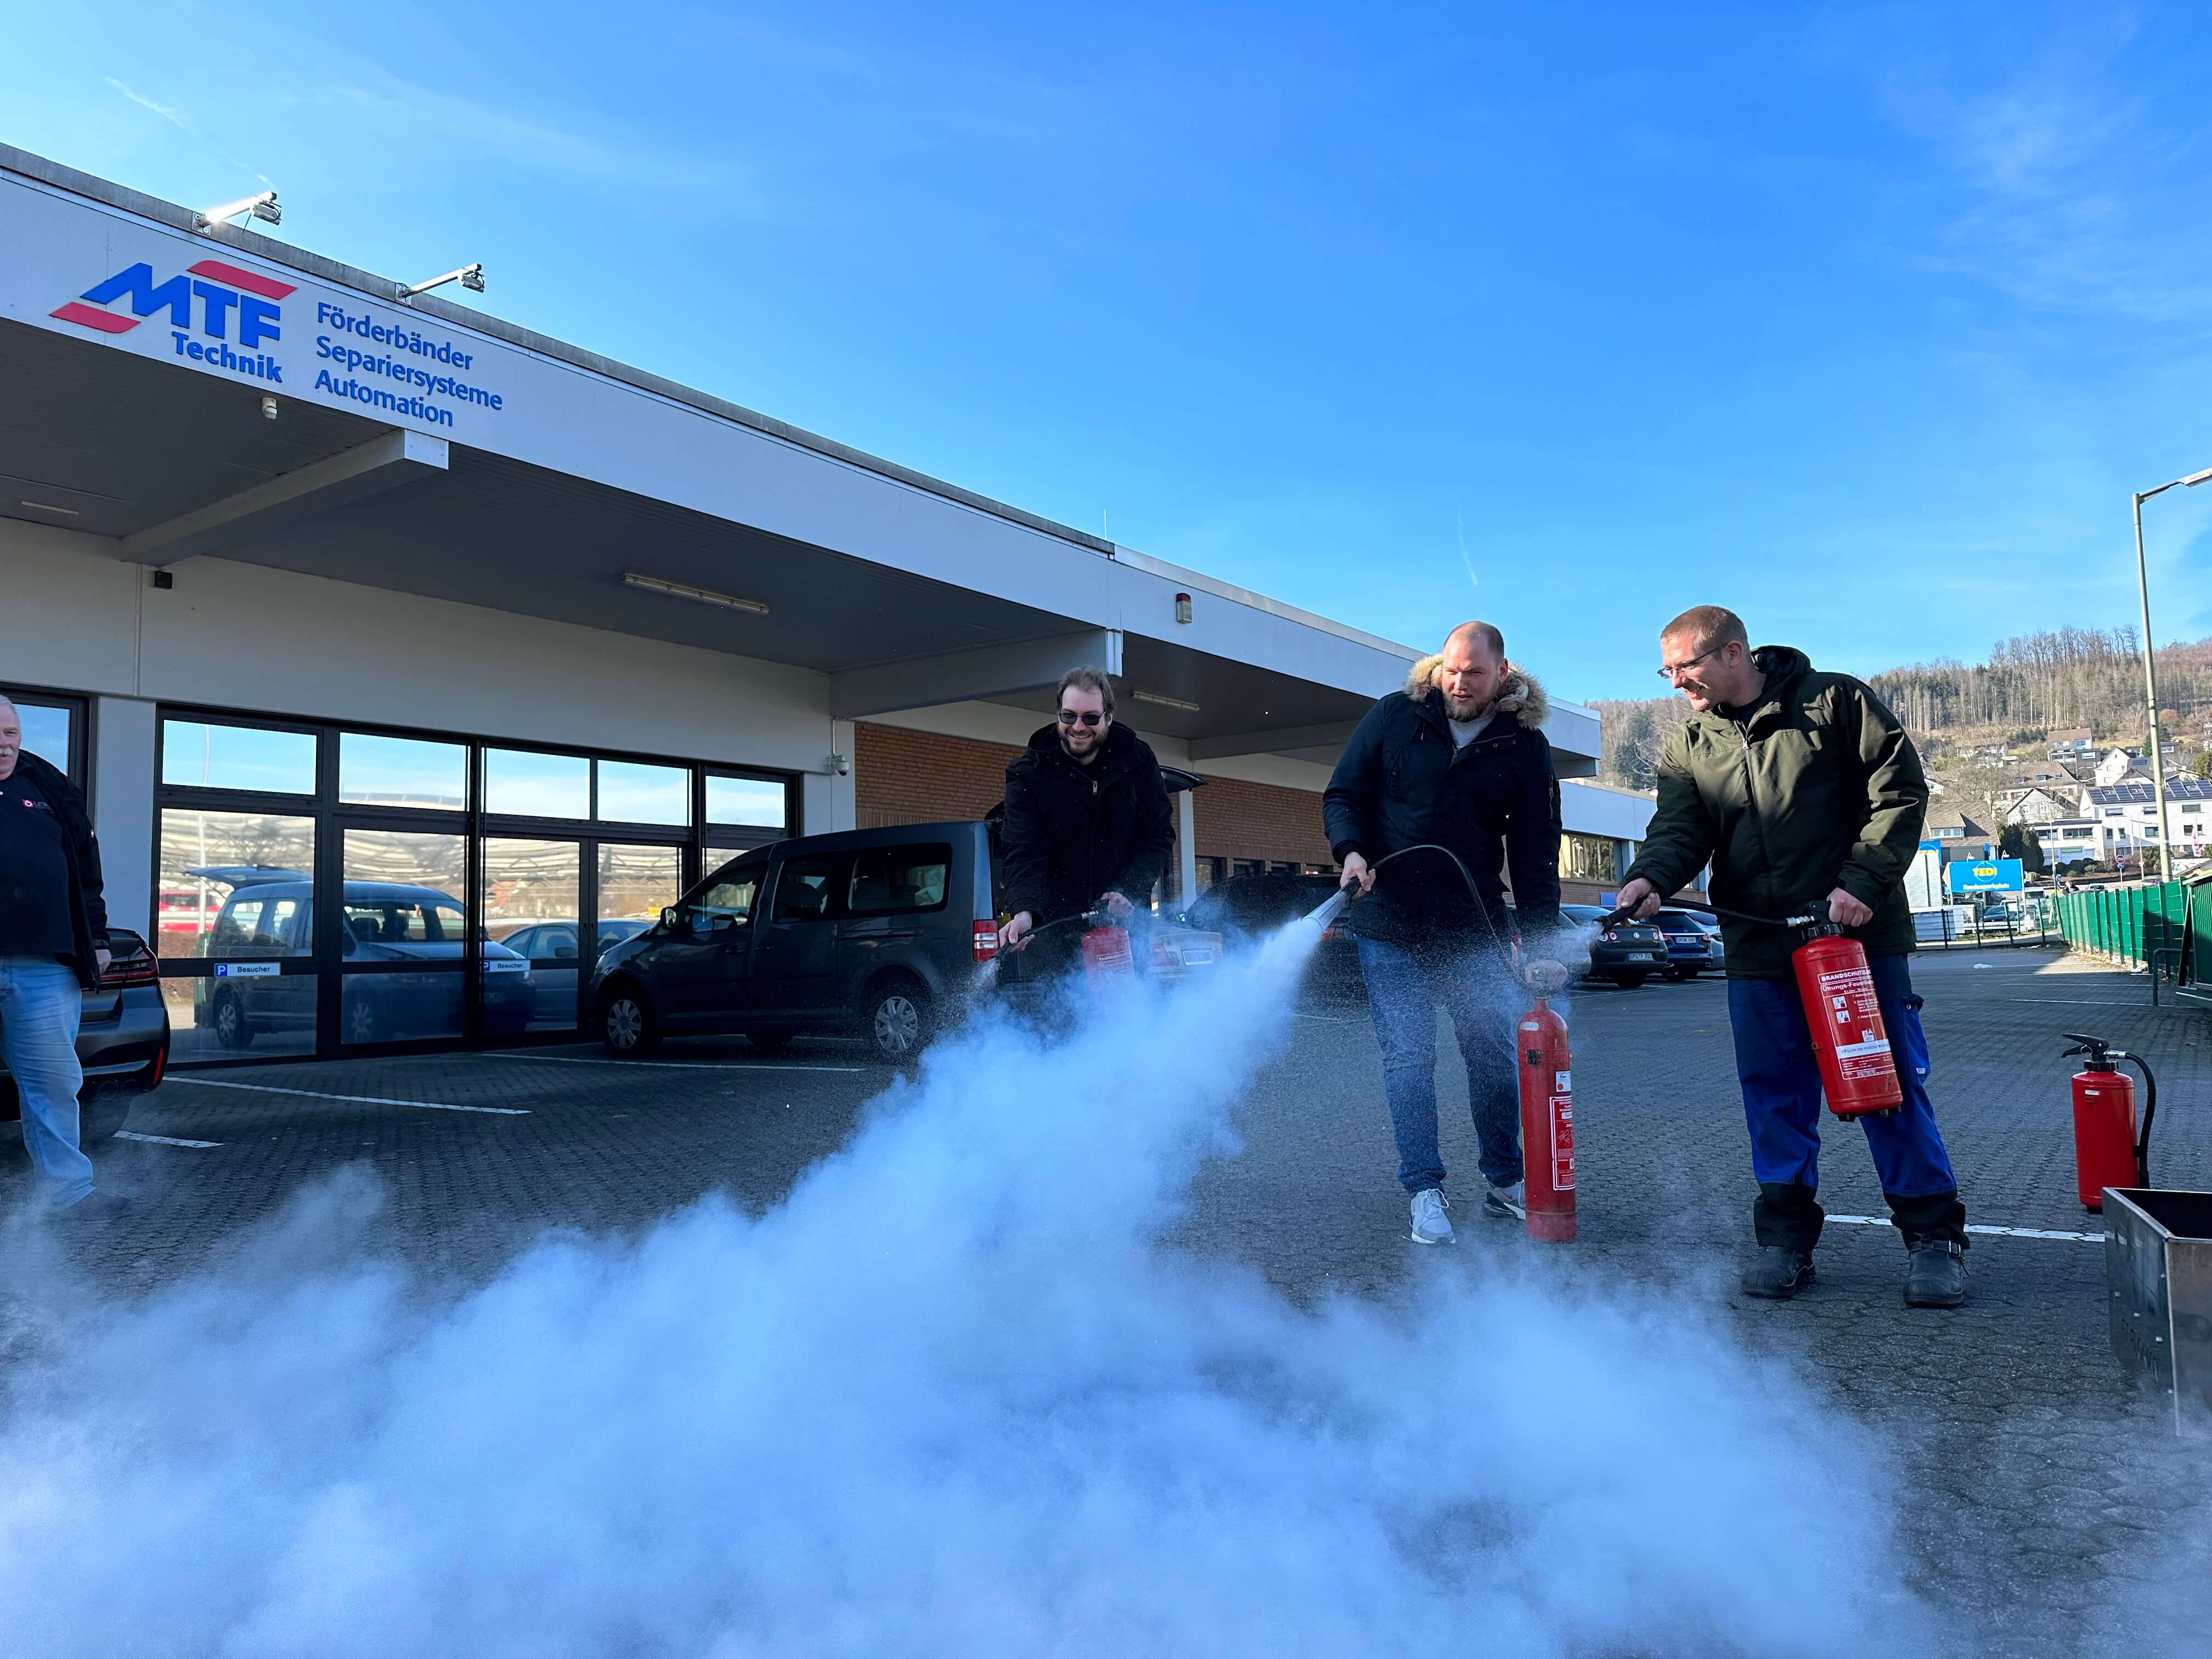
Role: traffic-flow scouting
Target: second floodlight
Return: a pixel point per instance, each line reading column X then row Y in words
column 469, row 276
column 263, row 206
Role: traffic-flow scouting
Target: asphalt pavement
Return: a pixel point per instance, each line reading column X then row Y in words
column 2043, row 1492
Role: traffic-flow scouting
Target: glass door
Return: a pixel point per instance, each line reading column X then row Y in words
column 402, row 940
column 533, row 914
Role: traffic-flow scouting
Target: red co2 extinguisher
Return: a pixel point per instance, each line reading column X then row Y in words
column 1547, row 1124
column 1858, row 1073
column 2107, row 1150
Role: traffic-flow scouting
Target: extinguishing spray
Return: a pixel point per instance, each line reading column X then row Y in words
column 1547, row 1124
column 1858, row 1073
column 2107, row 1150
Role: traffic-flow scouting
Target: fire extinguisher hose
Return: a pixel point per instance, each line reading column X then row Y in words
column 2150, row 1111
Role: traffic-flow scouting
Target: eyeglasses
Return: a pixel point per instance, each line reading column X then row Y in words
column 1089, row 717
column 1667, row 672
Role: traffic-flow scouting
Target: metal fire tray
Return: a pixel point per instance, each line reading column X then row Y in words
column 2157, row 1266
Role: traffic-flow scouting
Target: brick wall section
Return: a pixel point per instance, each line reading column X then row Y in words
column 919, row 777
column 1240, row 820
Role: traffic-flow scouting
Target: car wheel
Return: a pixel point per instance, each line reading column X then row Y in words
column 1630, row 981
column 770, row 1040
column 900, row 1020
column 627, row 1024
column 232, row 1029
column 102, row 1110
column 361, row 1024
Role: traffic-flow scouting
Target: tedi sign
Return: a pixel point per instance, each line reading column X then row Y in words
column 228, row 303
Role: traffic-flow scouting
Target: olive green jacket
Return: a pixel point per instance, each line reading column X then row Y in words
column 1819, row 788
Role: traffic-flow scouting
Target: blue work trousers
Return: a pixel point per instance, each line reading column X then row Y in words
column 1404, row 987
column 1780, row 1081
column 41, row 1004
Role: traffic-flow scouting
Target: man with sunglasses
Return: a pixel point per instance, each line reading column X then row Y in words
column 1087, row 820
column 1802, row 789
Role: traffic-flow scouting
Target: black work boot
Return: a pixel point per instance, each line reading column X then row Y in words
column 1936, row 1274
column 1778, row 1272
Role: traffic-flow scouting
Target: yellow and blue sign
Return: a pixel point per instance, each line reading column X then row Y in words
column 1984, row 876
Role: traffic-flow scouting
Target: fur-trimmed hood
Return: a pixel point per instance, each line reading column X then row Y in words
column 1524, row 697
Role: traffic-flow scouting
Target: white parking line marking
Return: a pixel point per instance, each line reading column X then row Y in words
column 2082, row 1002
column 366, row 1100
column 162, row 1140
column 676, row 1065
column 2001, row 1232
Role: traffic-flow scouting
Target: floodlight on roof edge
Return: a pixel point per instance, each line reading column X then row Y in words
column 469, row 276
column 263, row 206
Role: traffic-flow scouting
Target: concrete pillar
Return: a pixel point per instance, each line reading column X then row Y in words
column 123, row 807
column 1187, row 849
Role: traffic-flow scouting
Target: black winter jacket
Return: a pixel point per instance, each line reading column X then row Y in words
column 1074, row 832
column 1495, row 803
column 1821, row 787
column 87, row 892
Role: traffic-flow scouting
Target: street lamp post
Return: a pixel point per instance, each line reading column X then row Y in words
column 2151, row 672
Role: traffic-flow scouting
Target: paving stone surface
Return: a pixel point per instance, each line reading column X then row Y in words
column 2043, row 1497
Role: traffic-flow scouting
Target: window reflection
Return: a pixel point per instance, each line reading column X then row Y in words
column 637, row 883
column 203, row 754
column 210, row 860
column 381, row 771
column 757, row 801
column 633, row 792
column 46, row 731
column 526, row 785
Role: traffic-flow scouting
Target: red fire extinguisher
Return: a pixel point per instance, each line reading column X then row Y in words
column 2107, row 1150
column 1106, row 953
column 1858, row 1073
column 1548, row 1125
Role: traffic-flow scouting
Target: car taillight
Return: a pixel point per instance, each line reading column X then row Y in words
column 986, row 939
column 137, row 969
column 1328, row 934
column 1608, row 937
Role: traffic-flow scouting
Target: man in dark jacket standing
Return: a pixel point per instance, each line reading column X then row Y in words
column 1802, row 789
column 53, row 947
column 1087, row 821
column 1457, row 760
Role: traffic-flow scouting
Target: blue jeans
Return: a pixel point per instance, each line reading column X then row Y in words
column 1782, row 1105
column 40, row 1003
column 1403, row 989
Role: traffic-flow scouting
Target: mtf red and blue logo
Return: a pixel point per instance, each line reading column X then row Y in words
column 221, row 295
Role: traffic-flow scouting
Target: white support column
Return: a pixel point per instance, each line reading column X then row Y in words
column 1187, row 849
column 123, row 808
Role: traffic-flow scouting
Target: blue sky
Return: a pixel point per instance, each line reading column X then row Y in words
column 1864, row 320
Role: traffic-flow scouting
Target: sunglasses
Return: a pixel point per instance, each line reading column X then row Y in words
column 1089, row 717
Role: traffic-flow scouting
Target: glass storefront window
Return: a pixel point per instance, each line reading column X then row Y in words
column 1588, row 858
column 221, row 1018
column 380, row 771
column 207, row 755
column 531, row 890
column 46, row 731
column 759, row 802
column 420, row 875
column 637, row 883
column 211, row 861
column 520, row 784
column 633, row 792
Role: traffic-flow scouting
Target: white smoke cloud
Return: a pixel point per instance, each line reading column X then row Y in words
column 949, row 1397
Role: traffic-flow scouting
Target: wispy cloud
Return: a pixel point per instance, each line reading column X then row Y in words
column 145, row 102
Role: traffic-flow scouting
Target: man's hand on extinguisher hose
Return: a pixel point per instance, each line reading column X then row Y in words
column 1639, row 897
column 1545, row 975
column 1114, row 904
column 1016, row 930
column 1357, row 874
column 1847, row 912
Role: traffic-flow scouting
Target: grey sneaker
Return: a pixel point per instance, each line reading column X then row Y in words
column 1509, row 1201
column 1431, row 1224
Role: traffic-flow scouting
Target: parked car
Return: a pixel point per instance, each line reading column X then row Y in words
column 1244, row 908
column 882, row 932
column 550, row 948
column 1694, row 943
column 268, row 921
column 122, row 1043
column 1627, row 953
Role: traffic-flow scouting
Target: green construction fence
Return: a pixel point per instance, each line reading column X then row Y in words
column 2166, row 926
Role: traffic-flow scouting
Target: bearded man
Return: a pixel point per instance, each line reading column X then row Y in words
column 1457, row 765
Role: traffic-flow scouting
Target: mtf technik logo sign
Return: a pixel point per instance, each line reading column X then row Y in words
column 225, row 296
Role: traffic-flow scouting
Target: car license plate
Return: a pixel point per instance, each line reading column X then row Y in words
column 1639, row 955
column 1198, row 958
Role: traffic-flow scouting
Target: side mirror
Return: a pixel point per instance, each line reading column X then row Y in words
column 671, row 920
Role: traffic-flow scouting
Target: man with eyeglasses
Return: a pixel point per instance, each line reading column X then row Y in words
column 1087, row 821
column 1802, row 791
column 1451, row 781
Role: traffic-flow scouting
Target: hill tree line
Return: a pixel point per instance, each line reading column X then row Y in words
column 2031, row 685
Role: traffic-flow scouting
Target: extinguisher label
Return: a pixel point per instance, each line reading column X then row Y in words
column 1862, row 1048
column 1560, row 1083
column 1563, row 1144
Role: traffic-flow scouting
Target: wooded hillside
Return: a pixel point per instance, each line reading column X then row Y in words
column 2031, row 685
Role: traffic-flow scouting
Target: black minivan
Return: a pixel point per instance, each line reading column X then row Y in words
column 873, row 931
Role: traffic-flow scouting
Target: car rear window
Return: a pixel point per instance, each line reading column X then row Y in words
column 886, row 880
